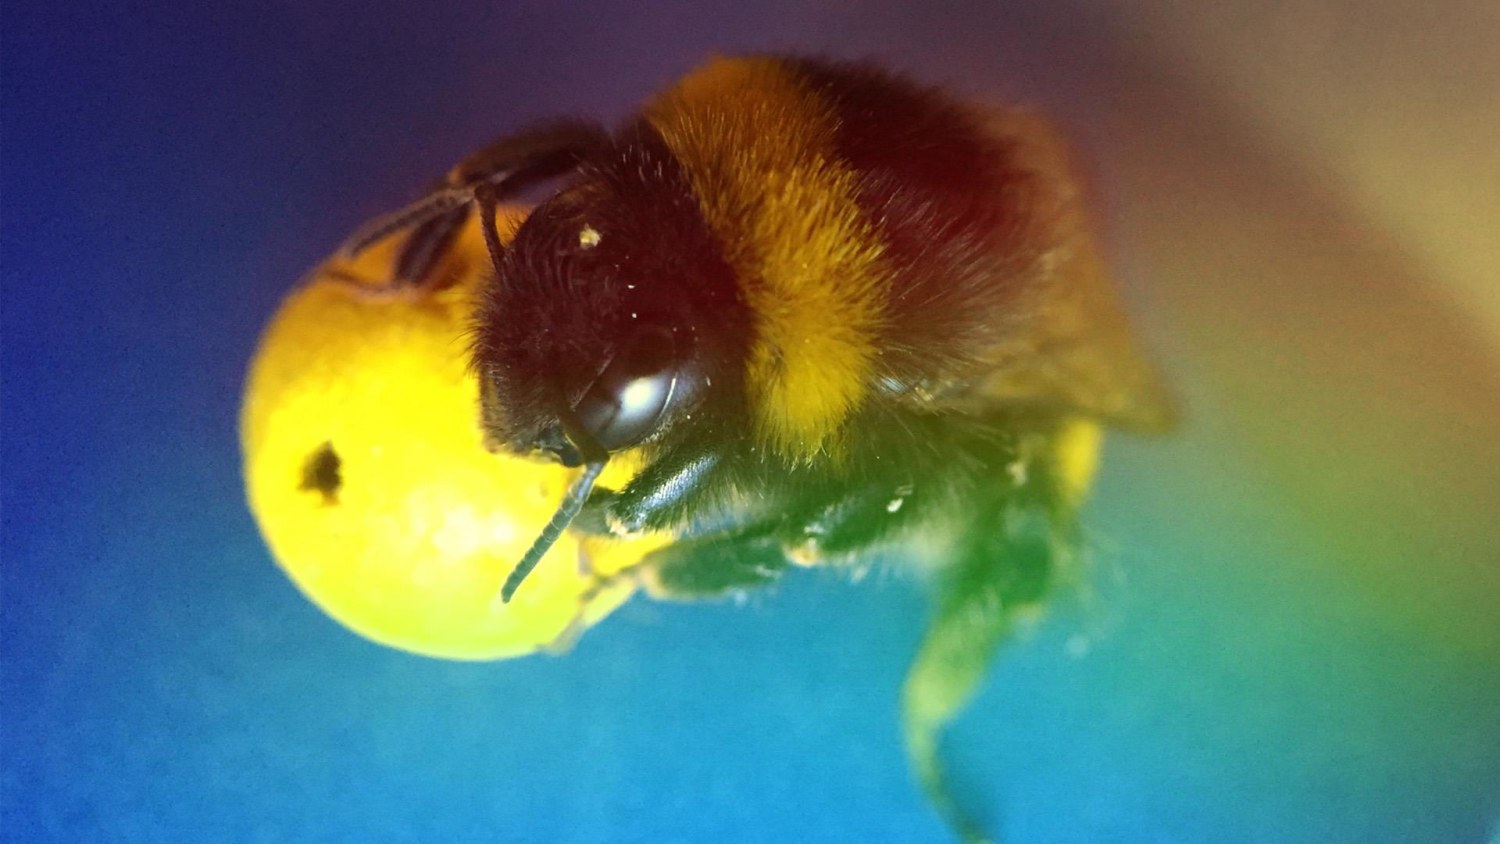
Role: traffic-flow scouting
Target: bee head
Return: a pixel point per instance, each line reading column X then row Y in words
column 610, row 314
column 582, row 348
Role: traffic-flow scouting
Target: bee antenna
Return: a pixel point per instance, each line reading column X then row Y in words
column 578, row 493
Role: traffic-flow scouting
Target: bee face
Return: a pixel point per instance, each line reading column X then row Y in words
column 583, row 342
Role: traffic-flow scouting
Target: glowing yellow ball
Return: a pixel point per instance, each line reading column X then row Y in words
column 365, row 469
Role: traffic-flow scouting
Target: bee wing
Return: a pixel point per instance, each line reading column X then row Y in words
column 1074, row 349
column 1077, row 354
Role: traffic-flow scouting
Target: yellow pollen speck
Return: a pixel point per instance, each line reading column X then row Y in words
column 1077, row 457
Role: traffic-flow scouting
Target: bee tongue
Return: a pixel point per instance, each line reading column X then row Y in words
column 580, row 444
column 578, row 493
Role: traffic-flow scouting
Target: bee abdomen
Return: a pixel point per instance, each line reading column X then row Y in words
column 954, row 208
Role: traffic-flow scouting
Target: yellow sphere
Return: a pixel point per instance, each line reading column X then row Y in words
column 365, row 469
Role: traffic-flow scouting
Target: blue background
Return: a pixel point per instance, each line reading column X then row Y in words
column 1292, row 634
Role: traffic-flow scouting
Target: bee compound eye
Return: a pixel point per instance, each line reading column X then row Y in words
column 627, row 401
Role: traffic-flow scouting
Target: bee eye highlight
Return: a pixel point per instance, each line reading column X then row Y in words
column 629, row 398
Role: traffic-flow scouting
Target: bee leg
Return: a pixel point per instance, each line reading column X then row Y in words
column 1000, row 577
column 715, row 565
column 664, row 495
column 852, row 523
column 416, row 262
column 692, row 569
column 501, row 169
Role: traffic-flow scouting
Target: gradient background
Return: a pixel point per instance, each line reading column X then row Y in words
column 1294, row 633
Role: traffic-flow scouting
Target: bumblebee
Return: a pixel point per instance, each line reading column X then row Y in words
column 832, row 309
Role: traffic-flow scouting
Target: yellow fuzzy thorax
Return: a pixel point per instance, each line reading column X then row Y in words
column 758, row 150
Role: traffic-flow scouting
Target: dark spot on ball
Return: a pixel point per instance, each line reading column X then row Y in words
column 320, row 473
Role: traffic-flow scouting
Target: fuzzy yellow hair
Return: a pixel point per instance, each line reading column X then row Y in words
column 758, row 151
